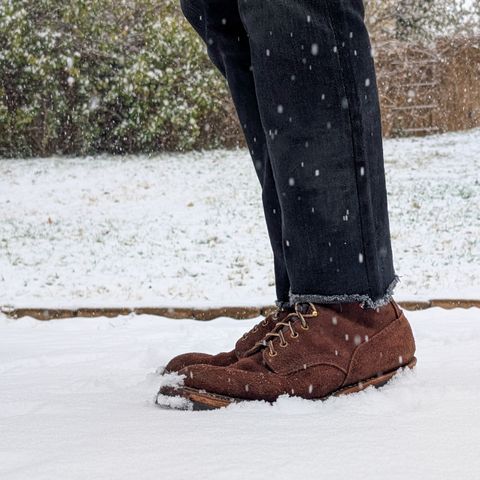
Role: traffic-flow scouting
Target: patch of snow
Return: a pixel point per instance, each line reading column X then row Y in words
column 77, row 401
column 189, row 229
column 171, row 380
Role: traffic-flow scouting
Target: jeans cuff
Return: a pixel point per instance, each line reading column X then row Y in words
column 283, row 304
column 365, row 300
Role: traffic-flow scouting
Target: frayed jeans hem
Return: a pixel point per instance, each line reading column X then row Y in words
column 365, row 300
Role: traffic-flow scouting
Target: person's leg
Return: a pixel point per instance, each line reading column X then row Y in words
column 219, row 25
column 318, row 100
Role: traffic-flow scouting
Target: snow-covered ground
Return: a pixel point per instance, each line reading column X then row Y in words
column 189, row 229
column 76, row 401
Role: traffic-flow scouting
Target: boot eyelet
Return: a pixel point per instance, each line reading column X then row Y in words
column 265, row 323
column 270, row 354
column 283, row 345
column 255, row 329
column 306, row 327
column 294, row 336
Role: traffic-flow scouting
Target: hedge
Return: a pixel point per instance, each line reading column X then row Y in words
column 86, row 76
column 129, row 76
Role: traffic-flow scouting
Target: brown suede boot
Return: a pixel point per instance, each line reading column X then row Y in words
column 245, row 343
column 316, row 352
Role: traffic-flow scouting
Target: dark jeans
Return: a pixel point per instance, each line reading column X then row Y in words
column 302, row 78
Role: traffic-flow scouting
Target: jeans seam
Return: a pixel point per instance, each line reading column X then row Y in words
column 353, row 139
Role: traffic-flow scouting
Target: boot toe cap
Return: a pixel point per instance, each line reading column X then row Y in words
column 185, row 359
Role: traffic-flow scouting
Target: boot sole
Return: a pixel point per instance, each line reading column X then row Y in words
column 202, row 400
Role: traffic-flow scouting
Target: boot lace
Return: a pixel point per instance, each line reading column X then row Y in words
column 264, row 322
column 278, row 330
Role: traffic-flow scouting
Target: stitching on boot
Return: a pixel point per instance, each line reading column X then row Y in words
column 316, row 364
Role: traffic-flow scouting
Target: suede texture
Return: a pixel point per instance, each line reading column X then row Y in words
column 244, row 344
column 390, row 348
column 343, row 344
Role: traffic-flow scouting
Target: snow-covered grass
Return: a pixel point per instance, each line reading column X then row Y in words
column 77, row 396
column 189, row 229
